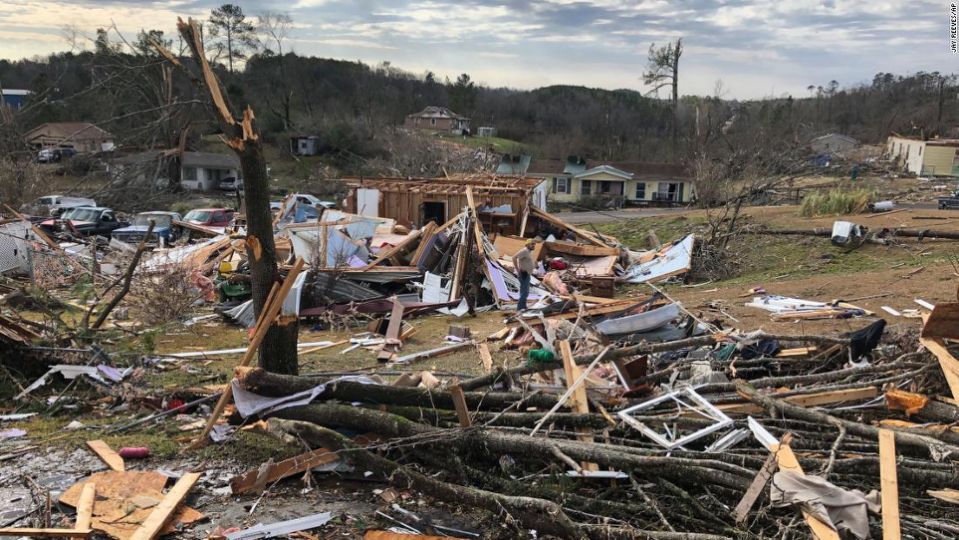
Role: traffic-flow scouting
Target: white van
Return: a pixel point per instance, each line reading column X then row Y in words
column 54, row 205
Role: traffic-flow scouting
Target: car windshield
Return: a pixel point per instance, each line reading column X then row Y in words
column 199, row 216
column 82, row 214
column 161, row 220
column 46, row 201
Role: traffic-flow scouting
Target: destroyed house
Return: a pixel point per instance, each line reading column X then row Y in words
column 932, row 157
column 501, row 201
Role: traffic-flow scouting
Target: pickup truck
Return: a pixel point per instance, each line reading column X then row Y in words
column 163, row 228
column 951, row 202
column 85, row 220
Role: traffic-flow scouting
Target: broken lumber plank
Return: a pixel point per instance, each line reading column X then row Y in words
column 947, row 362
column 459, row 403
column 814, row 399
column 392, row 333
column 485, row 357
column 107, row 455
column 798, row 351
column 428, row 230
column 85, row 506
column 154, row 523
column 755, row 489
column 433, row 353
column 576, row 387
column 274, row 302
column 889, row 485
column 395, row 250
column 248, row 481
column 387, row 535
column 786, row 460
column 943, row 322
column 45, row 533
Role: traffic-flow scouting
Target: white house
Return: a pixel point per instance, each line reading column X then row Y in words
column 199, row 171
column 933, row 157
column 202, row 171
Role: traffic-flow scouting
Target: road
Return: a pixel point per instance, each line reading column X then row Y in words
column 610, row 216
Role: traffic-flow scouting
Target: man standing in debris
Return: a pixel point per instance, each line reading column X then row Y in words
column 523, row 263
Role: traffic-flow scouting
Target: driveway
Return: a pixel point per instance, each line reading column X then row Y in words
column 610, row 216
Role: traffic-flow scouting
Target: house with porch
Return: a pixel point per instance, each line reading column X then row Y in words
column 636, row 183
column 199, row 171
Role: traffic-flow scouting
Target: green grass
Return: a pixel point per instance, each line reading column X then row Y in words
column 835, row 202
column 761, row 258
column 633, row 232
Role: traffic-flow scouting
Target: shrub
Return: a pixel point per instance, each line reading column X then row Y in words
column 836, row 201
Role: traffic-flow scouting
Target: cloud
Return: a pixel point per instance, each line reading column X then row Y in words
column 756, row 47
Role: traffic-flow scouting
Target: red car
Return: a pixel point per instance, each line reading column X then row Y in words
column 209, row 217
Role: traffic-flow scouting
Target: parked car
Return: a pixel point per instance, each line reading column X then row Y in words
column 163, row 229
column 209, row 217
column 86, row 220
column 951, row 202
column 231, row 184
column 54, row 205
column 312, row 200
column 52, row 155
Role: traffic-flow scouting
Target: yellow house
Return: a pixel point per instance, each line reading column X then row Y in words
column 933, row 157
column 624, row 183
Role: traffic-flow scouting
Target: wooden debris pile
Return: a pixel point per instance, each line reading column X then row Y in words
column 694, row 447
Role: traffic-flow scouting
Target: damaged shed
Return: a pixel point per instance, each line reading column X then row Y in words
column 501, row 201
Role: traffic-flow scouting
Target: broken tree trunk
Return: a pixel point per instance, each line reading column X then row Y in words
column 265, row 383
column 530, row 512
column 127, row 278
column 278, row 350
column 682, row 470
column 923, row 443
column 637, row 350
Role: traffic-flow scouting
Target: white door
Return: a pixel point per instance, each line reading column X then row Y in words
column 368, row 202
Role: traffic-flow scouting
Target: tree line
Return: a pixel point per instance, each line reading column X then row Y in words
column 122, row 85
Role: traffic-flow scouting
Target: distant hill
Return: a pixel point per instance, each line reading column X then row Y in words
column 352, row 104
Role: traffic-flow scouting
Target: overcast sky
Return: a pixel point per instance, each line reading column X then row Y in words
column 757, row 48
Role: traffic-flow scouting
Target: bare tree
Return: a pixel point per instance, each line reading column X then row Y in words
column 232, row 32
column 278, row 350
column 273, row 28
column 662, row 70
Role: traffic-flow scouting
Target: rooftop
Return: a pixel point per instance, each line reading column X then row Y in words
column 69, row 130
column 437, row 112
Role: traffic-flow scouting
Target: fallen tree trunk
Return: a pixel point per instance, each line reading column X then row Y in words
column 684, row 470
column 637, row 350
column 270, row 384
column 934, row 447
column 521, row 511
column 526, row 512
column 925, row 234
